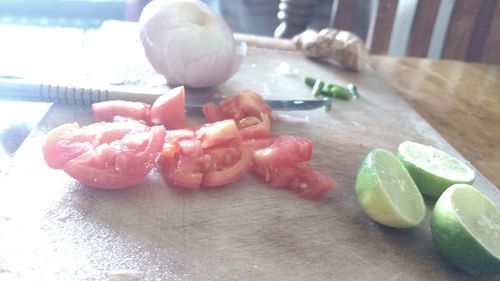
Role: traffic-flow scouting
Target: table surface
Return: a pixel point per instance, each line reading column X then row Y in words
column 243, row 231
column 460, row 100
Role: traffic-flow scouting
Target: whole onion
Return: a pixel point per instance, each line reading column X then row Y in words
column 188, row 43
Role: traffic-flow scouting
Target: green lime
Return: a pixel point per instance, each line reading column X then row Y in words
column 433, row 170
column 465, row 226
column 387, row 192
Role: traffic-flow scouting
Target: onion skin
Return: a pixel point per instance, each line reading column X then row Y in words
column 188, row 43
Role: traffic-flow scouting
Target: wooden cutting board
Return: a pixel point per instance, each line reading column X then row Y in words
column 54, row 228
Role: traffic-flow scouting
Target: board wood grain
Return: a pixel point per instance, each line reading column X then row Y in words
column 54, row 228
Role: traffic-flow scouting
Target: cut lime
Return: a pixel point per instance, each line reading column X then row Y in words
column 433, row 170
column 387, row 192
column 465, row 226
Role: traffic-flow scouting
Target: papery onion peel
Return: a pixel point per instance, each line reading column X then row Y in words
column 188, row 43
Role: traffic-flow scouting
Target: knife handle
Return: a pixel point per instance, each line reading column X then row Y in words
column 57, row 93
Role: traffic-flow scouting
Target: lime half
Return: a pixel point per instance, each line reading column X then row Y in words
column 387, row 192
column 465, row 226
column 433, row 170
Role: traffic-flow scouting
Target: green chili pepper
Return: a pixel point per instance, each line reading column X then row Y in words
column 329, row 90
column 317, row 90
column 354, row 90
column 309, row 81
column 328, row 106
column 341, row 93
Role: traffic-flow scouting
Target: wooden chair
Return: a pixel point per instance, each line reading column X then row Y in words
column 473, row 32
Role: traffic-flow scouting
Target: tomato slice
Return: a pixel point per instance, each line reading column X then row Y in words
column 282, row 161
column 184, row 171
column 212, row 112
column 279, row 151
column 228, row 170
column 168, row 109
column 312, row 184
column 240, row 106
column 68, row 141
column 305, row 181
column 109, row 110
column 218, row 133
column 209, row 155
column 104, row 155
column 245, row 104
column 121, row 163
column 254, row 128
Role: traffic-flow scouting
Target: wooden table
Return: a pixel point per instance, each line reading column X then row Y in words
column 460, row 100
column 54, row 228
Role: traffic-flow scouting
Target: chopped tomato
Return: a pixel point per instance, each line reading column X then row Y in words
column 282, row 161
column 218, row 133
column 238, row 138
column 210, row 155
column 68, row 141
column 183, row 171
column 228, row 168
column 254, row 128
column 242, row 105
column 302, row 179
column 212, row 113
column 105, row 155
column 168, row 109
column 245, row 104
column 109, row 110
column 279, row 151
column 312, row 184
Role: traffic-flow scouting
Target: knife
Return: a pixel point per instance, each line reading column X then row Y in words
column 21, row 89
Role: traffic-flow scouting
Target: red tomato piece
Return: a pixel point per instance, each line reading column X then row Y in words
column 281, row 160
column 228, row 170
column 245, row 104
column 174, row 136
column 210, row 155
column 168, row 109
column 105, row 155
column 302, row 179
column 312, row 184
column 184, row 171
column 212, row 113
column 218, row 133
column 283, row 151
column 108, row 110
column 254, row 128
column 68, row 141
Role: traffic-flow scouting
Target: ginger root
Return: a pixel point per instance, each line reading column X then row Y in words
column 341, row 46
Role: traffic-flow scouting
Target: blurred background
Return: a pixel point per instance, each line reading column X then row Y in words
column 244, row 16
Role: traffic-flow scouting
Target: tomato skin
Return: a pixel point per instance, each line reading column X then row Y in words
column 245, row 104
column 104, row 154
column 108, row 110
column 119, row 164
column 282, row 161
column 256, row 131
column 232, row 172
column 302, row 179
column 168, row 109
column 212, row 113
column 183, row 171
column 68, row 141
column 218, row 133
column 279, row 151
column 209, row 155
column 316, row 183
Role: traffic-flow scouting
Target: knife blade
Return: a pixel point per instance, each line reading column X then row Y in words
column 20, row 89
